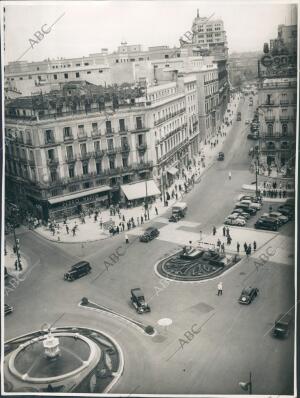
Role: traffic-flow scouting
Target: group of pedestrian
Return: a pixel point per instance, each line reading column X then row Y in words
column 247, row 248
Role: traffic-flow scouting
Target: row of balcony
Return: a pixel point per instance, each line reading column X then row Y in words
column 135, row 167
column 276, row 136
column 169, row 116
column 174, row 150
column 97, row 154
column 281, row 103
column 271, row 119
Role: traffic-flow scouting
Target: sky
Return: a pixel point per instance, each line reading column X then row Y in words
column 83, row 28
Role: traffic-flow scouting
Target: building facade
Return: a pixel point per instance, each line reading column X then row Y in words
column 277, row 93
column 68, row 152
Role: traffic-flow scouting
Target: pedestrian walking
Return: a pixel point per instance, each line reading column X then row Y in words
column 142, row 220
column 238, row 247
column 67, row 229
column 224, row 231
column 223, row 248
column 254, row 245
column 16, row 265
column 245, row 247
column 138, row 220
column 101, row 223
column 227, row 231
column 218, row 243
column 156, row 211
column 214, row 230
column 126, row 238
column 74, row 231
column 249, row 248
column 229, row 175
column 123, row 218
column 220, row 289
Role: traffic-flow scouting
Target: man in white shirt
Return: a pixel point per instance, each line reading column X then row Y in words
column 220, row 289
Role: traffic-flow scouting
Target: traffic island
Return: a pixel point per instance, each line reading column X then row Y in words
column 64, row 359
column 86, row 303
column 195, row 265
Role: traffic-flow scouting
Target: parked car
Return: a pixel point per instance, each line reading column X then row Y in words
column 254, row 205
column 149, row 234
column 78, row 270
column 8, row 309
column 241, row 213
column 282, row 325
column 248, row 294
column 239, row 222
column 266, row 216
column 267, row 224
column 286, row 211
column 279, row 216
column 246, row 209
column 138, row 301
column 254, row 199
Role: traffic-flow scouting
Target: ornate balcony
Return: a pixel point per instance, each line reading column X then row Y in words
column 53, row 162
column 109, row 132
column 68, row 138
column 125, row 148
column 70, row 158
column 284, row 118
column 82, row 136
column 96, row 134
column 141, row 147
column 270, row 119
column 284, row 102
column 85, row 156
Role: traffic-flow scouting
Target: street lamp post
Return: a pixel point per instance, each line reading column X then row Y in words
column 146, row 201
column 163, row 186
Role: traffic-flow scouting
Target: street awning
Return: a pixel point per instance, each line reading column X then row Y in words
column 77, row 195
column 172, row 170
column 138, row 190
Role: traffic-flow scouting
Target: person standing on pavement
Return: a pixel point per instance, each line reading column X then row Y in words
column 224, row 231
column 126, row 238
column 229, row 175
column 156, row 211
column 220, row 289
column 254, row 245
column 67, row 229
column 238, row 247
column 227, row 231
column 214, row 230
column 223, row 248
column 245, row 247
column 249, row 248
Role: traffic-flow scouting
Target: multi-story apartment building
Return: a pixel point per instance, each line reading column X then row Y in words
column 277, row 94
column 170, row 139
column 99, row 68
column 209, row 35
column 278, row 108
column 65, row 151
column 63, row 158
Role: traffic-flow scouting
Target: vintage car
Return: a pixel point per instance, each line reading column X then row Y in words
column 221, row 156
column 267, row 223
column 174, row 218
column 254, row 199
column 77, row 271
column 190, row 254
column 241, row 214
column 138, row 301
column 282, row 325
column 247, row 295
column 251, row 204
column 239, row 222
column 149, row 234
column 246, row 208
column 286, row 211
column 8, row 309
column 279, row 216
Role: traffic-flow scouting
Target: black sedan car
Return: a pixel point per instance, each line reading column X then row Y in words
column 248, row 294
column 149, row 234
column 138, row 301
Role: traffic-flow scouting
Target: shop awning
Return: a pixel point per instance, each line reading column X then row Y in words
column 77, row 195
column 137, row 190
column 172, row 170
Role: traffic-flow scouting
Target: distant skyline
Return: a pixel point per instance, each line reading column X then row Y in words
column 85, row 28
